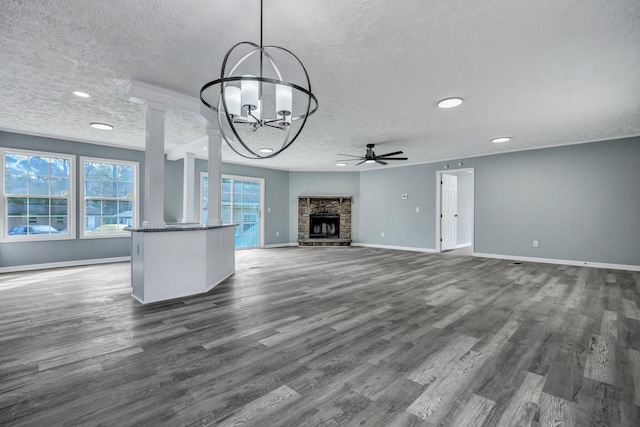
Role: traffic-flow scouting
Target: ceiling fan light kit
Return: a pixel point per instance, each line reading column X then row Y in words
column 370, row 157
column 259, row 101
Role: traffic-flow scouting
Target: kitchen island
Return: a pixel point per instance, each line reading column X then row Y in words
column 180, row 260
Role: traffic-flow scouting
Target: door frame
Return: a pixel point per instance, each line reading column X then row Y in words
column 439, row 205
column 260, row 181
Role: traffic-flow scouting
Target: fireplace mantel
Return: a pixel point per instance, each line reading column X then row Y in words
column 324, row 204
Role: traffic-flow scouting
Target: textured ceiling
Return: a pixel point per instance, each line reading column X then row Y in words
column 547, row 73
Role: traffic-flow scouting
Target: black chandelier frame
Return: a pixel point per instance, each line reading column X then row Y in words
column 222, row 109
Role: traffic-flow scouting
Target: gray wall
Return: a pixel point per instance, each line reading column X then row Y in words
column 276, row 197
column 324, row 184
column 173, row 190
column 383, row 210
column 581, row 202
column 25, row 253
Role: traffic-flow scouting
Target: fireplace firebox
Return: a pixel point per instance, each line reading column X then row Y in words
column 324, row 225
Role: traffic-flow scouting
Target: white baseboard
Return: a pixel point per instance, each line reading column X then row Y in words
column 279, row 245
column 463, row 245
column 397, row 248
column 29, row 267
column 562, row 262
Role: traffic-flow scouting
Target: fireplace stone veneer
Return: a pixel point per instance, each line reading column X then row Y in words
column 325, row 234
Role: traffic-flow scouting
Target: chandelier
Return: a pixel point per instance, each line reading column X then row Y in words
column 259, row 112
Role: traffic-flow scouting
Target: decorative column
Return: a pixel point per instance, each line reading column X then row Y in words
column 215, row 175
column 188, row 188
column 154, row 166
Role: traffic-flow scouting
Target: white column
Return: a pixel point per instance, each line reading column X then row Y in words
column 188, row 188
column 154, row 167
column 215, row 175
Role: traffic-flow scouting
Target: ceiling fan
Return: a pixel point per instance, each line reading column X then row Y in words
column 371, row 157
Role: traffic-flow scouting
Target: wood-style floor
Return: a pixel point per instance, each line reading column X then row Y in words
column 326, row 337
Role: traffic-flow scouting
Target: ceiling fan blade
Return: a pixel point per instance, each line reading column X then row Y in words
column 360, row 162
column 390, row 154
column 393, row 158
column 381, row 162
column 350, row 155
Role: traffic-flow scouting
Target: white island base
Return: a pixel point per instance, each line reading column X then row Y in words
column 180, row 261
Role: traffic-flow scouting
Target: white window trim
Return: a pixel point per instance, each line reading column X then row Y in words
column 71, row 210
column 200, row 200
column 83, row 205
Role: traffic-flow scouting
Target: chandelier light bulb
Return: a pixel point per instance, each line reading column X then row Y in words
column 249, row 90
column 233, row 96
column 284, row 101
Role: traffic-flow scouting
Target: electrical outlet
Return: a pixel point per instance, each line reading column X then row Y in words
column 277, row 234
column 535, row 243
column 269, row 209
column 382, row 234
column 417, row 209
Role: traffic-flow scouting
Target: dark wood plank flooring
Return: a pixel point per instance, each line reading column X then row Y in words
column 326, row 337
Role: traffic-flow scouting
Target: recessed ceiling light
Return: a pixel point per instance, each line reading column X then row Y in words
column 101, row 126
column 450, row 102
column 266, row 150
column 341, row 164
column 501, row 139
column 82, row 94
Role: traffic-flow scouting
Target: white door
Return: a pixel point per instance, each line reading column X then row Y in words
column 449, row 211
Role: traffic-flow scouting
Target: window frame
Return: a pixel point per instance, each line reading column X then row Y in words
column 71, row 198
column 82, row 197
column 261, row 205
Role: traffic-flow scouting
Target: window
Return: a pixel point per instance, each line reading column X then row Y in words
column 37, row 196
column 110, row 197
column 241, row 203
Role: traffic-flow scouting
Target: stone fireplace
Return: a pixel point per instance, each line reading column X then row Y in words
column 324, row 220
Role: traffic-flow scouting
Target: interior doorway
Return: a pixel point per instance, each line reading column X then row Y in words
column 455, row 209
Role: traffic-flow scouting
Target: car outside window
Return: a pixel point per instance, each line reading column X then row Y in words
column 37, row 195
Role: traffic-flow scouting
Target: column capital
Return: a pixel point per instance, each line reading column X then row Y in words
column 155, row 106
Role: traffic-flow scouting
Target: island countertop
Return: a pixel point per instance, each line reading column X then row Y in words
column 179, row 227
